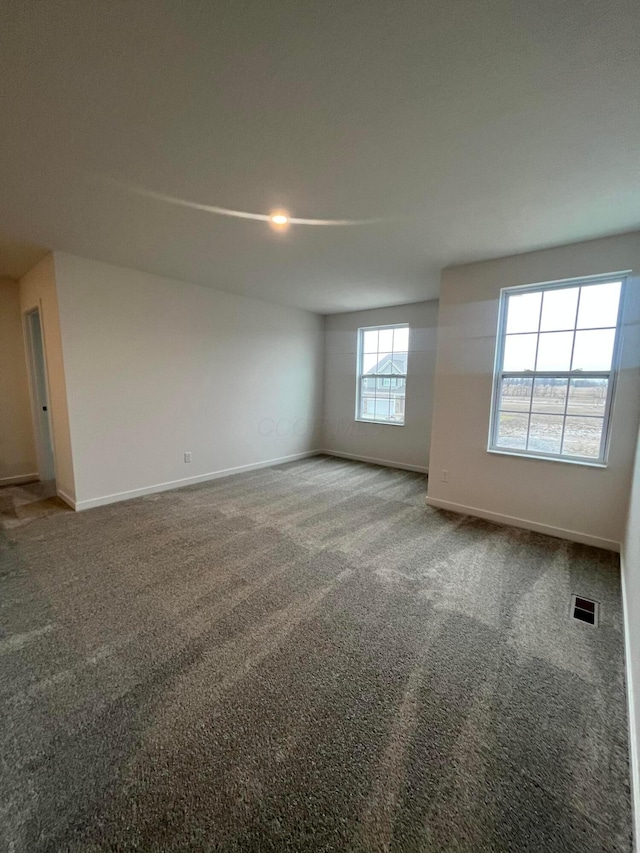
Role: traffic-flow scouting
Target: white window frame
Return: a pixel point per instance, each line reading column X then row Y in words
column 375, row 376
column 611, row 374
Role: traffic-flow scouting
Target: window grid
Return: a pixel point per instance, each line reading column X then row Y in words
column 573, row 378
column 386, row 387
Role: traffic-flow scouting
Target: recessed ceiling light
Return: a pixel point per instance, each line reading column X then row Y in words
column 279, row 219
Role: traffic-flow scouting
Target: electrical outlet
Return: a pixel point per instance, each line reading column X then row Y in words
column 444, row 476
column 187, row 456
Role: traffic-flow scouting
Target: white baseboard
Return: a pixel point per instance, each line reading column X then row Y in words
column 388, row 463
column 512, row 521
column 20, row 478
column 66, row 498
column 186, row 481
column 634, row 746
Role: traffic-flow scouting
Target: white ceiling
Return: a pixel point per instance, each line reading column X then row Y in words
column 479, row 128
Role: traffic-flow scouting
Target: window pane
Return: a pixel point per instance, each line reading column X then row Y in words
column 382, row 382
column 397, row 405
column 549, row 396
column 599, row 305
column 370, row 341
column 554, row 340
column 369, row 361
column 593, row 350
column 523, row 312
column 382, row 406
column 559, row 309
column 587, row 396
column 519, row 352
column 368, row 407
column 512, row 431
column 582, row 437
column 515, row 394
column 545, row 433
column 385, row 340
column 401, row 339
column 554, row 351
column 385, row 363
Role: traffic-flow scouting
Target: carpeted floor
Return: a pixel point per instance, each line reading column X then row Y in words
column 306, row 658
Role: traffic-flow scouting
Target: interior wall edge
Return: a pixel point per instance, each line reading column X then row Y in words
column 66, row 498
column 38, row 289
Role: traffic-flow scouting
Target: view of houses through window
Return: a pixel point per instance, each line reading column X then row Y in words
column 382, row 374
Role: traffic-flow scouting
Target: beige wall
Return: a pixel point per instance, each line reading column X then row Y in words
column 38, row 290
column 157, row 367
column 17, row 450
column 584, row 503
column 631, row 587
column 407, row 445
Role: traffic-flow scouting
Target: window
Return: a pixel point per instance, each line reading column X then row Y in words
column 382, row 374
column 556, row 361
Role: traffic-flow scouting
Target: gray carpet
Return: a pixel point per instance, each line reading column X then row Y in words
column 306, row 658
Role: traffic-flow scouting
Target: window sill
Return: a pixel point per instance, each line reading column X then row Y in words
column 584, row 463
column 377, row 423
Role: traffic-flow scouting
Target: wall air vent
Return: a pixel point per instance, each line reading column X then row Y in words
column 585, row 610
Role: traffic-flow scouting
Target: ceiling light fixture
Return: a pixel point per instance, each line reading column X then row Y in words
column 279, row 220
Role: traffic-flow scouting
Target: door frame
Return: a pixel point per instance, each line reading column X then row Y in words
column 39, row 394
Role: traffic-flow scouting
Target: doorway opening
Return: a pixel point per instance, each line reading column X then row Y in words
column 40, row 396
